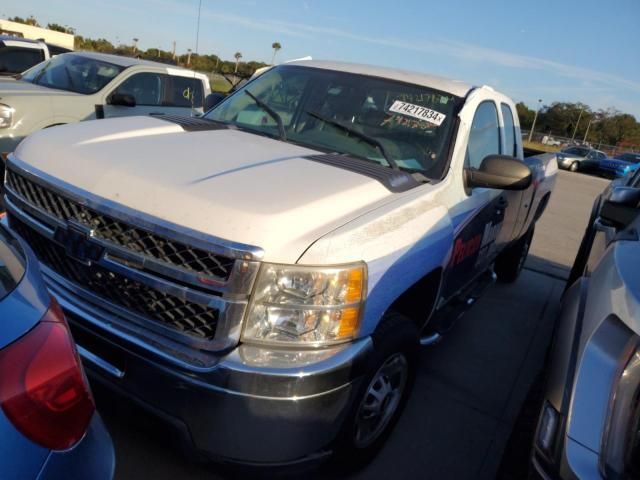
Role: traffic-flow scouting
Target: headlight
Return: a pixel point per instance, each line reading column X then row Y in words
column 313, row 306
column 6, row 115
column 621, row 444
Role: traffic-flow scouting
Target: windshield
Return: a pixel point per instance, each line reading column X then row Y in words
column 72, row 72
column 381, row 120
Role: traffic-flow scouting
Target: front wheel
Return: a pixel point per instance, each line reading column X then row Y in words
column 383, row 391
column 510, row 262
column 575, row 166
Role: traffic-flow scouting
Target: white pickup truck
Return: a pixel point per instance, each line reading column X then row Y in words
column 262, row 277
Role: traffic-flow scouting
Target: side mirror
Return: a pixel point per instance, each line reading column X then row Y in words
column 500, row 172
column 622, row 207
column 212, row 100
column 122, row 100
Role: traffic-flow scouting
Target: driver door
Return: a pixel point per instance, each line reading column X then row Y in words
column 147, row 88
column 478, row 218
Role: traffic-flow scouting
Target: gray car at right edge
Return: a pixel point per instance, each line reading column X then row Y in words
column 589, row 425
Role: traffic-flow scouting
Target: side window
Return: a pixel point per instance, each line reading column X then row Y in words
column 181, row 91
column 484, row 138
column 145, row 87
column 509, row 131
column 601, row 156
column 17, row 60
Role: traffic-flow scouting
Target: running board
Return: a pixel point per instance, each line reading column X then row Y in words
column 444, row 320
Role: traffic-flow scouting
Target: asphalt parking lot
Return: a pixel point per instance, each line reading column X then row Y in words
column 469, row 389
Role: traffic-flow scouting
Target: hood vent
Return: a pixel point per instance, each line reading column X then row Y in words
column 395, row 181
column 191, row 124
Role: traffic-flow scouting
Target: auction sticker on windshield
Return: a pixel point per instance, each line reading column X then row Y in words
column 416, row 111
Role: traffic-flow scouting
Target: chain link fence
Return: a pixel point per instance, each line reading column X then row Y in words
column 558, row 142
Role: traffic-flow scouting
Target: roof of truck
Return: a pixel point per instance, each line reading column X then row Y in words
column 455, row 87
column 127, row 62
column 124, row 61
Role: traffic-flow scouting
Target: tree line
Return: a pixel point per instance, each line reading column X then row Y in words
column 195, row 61
column 607, row 127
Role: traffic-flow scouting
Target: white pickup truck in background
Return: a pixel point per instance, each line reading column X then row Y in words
column 262, row 277
column 19, row 54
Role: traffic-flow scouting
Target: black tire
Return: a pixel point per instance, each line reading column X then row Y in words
column 396, row 336
column 510, row 262
column 574, row 167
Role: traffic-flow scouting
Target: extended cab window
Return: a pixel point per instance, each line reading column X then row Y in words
column 145, row 88
column 341, row 112
column 17, row 60
column 484, row 137
column 184, row 92
column 509, row 131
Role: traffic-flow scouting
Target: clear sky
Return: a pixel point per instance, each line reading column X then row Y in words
column 560, row 50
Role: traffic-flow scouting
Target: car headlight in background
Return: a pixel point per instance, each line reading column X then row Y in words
column 621, row 442
column 6, row 115
column 301, row 305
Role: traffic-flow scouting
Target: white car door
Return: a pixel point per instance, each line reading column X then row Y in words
column 155, row 93
column 145, row 90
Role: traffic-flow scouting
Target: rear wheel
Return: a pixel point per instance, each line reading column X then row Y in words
column 575, row 166
column 510, row 262
column 383, row 391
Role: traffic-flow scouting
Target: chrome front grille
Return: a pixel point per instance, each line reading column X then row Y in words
column 190, row 318
column 121, row 234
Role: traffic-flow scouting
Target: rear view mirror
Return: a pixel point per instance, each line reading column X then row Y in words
column 212, row 100
column 122, row 100
column 622, row 207
column 500, row 172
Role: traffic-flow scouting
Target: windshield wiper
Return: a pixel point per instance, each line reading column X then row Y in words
column 362, row 136
column 272, row 113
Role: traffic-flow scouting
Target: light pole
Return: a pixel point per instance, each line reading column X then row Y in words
column 533, row 126
column 584, row 140
column 135, row 45
column 188, row 57
column 577, row 123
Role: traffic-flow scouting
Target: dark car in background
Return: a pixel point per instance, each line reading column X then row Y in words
column 620, row 165
column 19, row 54
column 580, row 159
column 48, row 425
column 589, row 425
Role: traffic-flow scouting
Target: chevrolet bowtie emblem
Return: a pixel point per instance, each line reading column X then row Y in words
column 76, row 240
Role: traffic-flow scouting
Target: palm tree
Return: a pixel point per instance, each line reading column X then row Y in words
column 188, row 57
column 276, row 46
column 237, row 56
column 135, row 45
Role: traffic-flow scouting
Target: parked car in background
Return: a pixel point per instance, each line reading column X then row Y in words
column 548, row 140
column 264, row 275
column 19, row 54
column 580, row 159
column 48, row 423
column 589, row 425
column 620, row 165
column 85, row 85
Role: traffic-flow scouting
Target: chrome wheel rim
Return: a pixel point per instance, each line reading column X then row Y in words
column 574, row 167
column 381, row 400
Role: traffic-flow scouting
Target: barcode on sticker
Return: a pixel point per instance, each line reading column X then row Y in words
column 416, row 111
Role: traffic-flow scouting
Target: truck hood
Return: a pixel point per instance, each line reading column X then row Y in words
column 227, row 183
column 14, row 88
